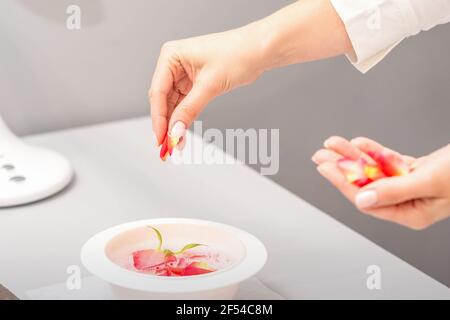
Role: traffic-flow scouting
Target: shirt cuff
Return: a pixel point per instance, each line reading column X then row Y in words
column 367, row 64
column 375, row 27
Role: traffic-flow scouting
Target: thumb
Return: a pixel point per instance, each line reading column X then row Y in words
column 190, row 107
column 392, row 191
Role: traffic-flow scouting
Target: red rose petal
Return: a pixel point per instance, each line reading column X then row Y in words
column 177, row 271
column 353, row 170
column 373, row 172
column 164, row 149
column 170, row 258
column 362, row 182
column 390, row 163
column 361, row 173
column 145, row 259
column 167, row 147
column 196, row 268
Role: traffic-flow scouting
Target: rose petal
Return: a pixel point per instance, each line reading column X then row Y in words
column 373, row 172
column 167, row 146
column 353, row 170
column 362, row 182
column 197, row 268
column 390, row 163
column 145, row 259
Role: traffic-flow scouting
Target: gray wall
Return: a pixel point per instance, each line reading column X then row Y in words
column 52, row 78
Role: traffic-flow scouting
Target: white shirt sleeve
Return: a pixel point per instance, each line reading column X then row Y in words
column 375, row 27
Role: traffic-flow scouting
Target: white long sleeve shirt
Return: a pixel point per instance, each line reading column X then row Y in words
column 375, row 27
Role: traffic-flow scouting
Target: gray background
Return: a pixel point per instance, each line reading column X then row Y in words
column 52, row 78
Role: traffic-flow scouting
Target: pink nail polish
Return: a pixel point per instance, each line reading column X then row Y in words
column 366, row 199
column 178, row 130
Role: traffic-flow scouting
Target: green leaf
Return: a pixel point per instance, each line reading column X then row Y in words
column 168, row 252
column 160, row 239
column 187, row 247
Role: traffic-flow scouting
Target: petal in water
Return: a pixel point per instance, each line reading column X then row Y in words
column 197, row 268
column 145, row 259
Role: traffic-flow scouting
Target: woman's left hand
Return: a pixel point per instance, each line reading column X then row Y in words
column 416, row 200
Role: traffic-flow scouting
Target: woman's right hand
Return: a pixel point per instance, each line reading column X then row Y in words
column 192, row 72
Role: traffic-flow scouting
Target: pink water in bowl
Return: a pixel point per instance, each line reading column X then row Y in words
column 166, row 258
column 190, row 263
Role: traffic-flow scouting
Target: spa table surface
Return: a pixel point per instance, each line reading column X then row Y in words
column 120, row 178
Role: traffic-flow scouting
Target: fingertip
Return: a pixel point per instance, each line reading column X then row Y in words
column 155, row 139
column 159, row 120
column 342, row 147
column 366, row 199
column 323, row 171
column 320, row 169
column 178, row 130
column 397, row 190
column 332, row 141
column 326, row 169
column 183, row 114
column 316, row 157
column 159, row 130
column 358, row 140
column 325, row 155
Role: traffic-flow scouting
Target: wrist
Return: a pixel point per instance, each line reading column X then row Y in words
column 304, row 31
column 254, row 47
column 280, row 35
column 264, row 39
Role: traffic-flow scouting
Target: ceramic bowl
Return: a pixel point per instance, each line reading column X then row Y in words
column 103, row 255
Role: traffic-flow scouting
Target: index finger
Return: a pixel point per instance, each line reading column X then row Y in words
column 368, row 146
column 162, row 85
column 343, row 147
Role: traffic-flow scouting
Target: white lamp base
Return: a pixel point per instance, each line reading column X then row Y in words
column 28, row 173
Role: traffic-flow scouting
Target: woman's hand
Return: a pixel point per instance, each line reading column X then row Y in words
column 416, row 200
column 191, row 72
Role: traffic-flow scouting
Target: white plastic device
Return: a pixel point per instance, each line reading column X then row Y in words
column 29, row 173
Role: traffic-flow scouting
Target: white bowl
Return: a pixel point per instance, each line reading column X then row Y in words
column 101, row 255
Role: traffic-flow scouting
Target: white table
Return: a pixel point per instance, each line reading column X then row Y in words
column 119, row 178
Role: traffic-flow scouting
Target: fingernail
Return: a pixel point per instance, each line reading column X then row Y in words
column 322, row 170
column 155, row 139
column 178, row 130
column 326, row 144
column 366, row 199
